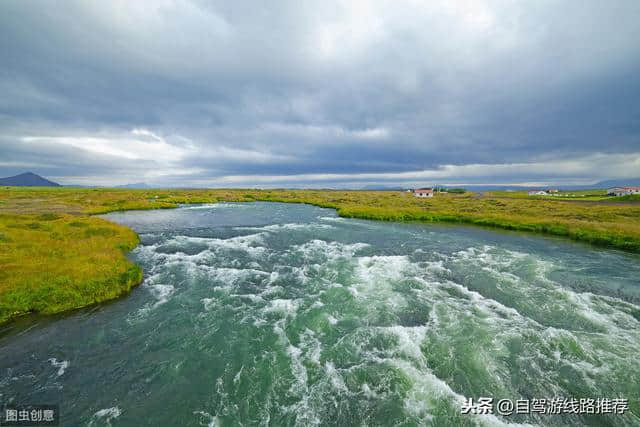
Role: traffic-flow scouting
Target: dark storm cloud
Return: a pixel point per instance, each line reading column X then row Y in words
column 219, row 93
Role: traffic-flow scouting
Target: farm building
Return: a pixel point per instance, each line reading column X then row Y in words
column 538, row 193
column 423, row 192
column 623, row 191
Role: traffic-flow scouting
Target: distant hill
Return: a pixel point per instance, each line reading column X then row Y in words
column 139, row 185
column 381, row 188
column 598, row 185
column 28, row 179
column 631, row 182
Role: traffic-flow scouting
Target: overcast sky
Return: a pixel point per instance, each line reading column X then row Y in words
column 320, row 94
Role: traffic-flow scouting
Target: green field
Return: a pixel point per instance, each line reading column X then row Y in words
column 596, row 195
column 55, row 256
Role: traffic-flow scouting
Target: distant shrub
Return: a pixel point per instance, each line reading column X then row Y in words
column 628, row 198
column 48, row 217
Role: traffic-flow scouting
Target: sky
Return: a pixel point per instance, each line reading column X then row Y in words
column 329, row 94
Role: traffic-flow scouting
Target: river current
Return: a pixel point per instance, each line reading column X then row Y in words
column 284, row 314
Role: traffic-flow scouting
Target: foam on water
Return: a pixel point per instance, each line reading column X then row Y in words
column 212, row 421
column 176, row 248
column 322, row 250
column 284, row 306
column 106, row 415
column 213, row 206
column 274, row 228
column 376, row 276
column 62, row 365
column 332, row 218
column 161, row 293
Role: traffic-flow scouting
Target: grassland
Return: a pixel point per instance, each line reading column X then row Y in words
column 51, row 263
column 55, row 255
column 594, row 195
column 562, row 195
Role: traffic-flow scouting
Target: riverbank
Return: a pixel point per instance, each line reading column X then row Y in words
column 52, row 263
column 55, row 255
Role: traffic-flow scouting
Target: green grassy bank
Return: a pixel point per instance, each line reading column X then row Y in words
column 51, row 263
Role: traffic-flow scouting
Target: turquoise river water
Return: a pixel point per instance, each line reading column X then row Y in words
column 284, row 314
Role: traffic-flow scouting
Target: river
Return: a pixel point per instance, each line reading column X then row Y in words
column 285, row 314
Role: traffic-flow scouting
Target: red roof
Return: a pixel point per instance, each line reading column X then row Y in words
column 423, row 190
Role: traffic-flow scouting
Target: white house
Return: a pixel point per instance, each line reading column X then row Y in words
column 538, row 193
column 623, row 191
column 423, row 192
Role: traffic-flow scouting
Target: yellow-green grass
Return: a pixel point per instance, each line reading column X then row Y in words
column 581, row 195
column 49, row 265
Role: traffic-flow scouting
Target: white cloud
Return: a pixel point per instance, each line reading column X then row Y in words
column 329, row 133
column 145, row 132
column 373, row 133
column 123, row 146
column 247, row 156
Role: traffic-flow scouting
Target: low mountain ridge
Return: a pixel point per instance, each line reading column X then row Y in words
column 28, row 179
